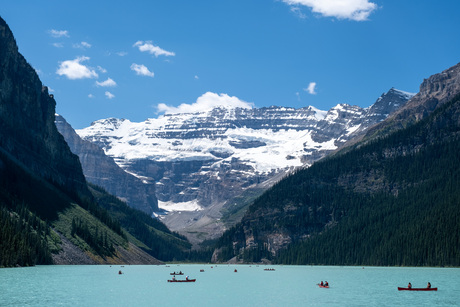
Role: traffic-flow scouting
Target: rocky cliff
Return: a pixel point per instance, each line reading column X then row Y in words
column 102, row 170
column 27, row 130
column 434, row 91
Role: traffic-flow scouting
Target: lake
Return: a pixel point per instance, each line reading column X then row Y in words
column 220, row 285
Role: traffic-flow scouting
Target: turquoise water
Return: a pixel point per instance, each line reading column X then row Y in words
column 220, row 286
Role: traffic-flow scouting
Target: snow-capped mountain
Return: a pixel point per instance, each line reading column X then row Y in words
column 201, row 160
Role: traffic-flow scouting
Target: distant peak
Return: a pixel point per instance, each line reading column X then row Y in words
column 400, row 93
column 112, row 121
column 319, row 114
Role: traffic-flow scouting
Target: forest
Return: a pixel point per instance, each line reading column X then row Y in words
column 392, row 201
column 33, row 212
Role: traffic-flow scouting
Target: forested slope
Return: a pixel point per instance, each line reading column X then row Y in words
column 393, row 201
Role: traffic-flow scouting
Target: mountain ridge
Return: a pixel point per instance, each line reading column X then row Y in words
column 434, row 91
column 200, row 161
column 31, row 138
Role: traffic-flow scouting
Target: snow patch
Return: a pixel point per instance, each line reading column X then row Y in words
column 319, row 114
column 183, row 206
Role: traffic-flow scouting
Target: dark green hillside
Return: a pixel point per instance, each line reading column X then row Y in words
column 32, row 211
column 30, row 207
column 394, row 201
column 157, row 240
column 24, row 234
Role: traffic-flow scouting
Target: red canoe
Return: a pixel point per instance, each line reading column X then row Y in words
column 322, row 286
column 417, row 289
column 183, row 280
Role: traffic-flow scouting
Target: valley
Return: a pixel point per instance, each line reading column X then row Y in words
column 203, row 163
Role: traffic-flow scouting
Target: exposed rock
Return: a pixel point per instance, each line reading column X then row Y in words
column 434, row 91
column 134, row 255
column 71, row 254
column 27, row 129
column 102, row 170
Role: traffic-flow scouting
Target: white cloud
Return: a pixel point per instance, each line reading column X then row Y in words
column 296, row 10
column 90, row 96
column 122, row 53
column 101, row 69
column 73, row 69
column 58, row 45
column 141, row 70
column 206, row 102
column 150, row 48
column 196, row 77
column 107, row 83
column 82, row 45
column 357, row 10
column 109, row 95
column 311, row 88
column 58, row 33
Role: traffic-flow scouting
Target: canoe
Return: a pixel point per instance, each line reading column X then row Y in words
column 180, row 273
column 322, row 286
column 417, row 289
column 182, row 280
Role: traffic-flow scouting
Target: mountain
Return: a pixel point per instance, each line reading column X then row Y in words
column 434, row 91
column 390, row 199
column 207, row 165
column 102, row 170
column 26, row 132
column 48, row 212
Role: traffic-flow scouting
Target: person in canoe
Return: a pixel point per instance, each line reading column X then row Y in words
column 186, row 277
column 326, row 284
column 409, row 286
column 321, row 284
column 174, row 278
column 429, row 285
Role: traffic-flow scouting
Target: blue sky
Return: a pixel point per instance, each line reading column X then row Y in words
column 137, row 59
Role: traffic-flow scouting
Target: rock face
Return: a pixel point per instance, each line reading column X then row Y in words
column 203, row 160
column 434, row 91
column 102, row 170
column 27, row 130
